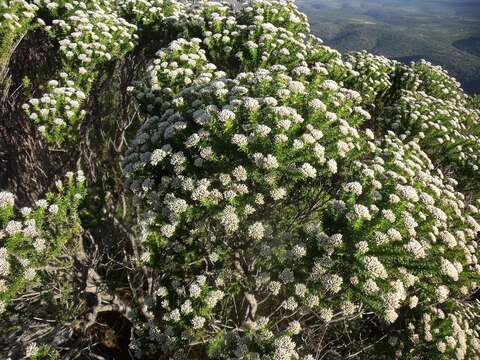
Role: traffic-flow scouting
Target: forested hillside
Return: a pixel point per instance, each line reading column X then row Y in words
column 209, row 180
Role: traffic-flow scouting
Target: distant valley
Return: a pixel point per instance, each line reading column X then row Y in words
column 445, row 32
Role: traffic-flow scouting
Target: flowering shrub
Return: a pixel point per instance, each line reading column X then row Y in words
column 285, row 197
column 272, row 124
column 229, row 152
column 429, row 105
column 450, row 126
column 16, row 14
column 181, row 65
column 89, row 36
column 57, row 109
column 29, row 239
column 152, row 17
column 225, row 167
column 407, row 235
column 433, row 80
column 442, row 331
column 253, row 39
column 371, row 75
column 15, row 17
column 283, row 14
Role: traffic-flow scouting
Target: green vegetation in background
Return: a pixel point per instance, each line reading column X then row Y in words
column 447, row 33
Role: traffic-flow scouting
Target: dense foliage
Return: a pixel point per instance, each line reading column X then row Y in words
column 247, row 192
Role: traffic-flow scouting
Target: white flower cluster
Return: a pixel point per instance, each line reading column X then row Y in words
column 181, row 65
column 89, row 35
column 192, row 134
column 6, row 199
column 150, row 14
column 411, row 215
column 267, row 32
column 189, row 302
column 422, row 76
column 27, row 243
column 16, row 15
column 452, row 329
column 280, row 13
column 92, row 35
column 57, row 109
column 370, row 74
column 446, row 127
